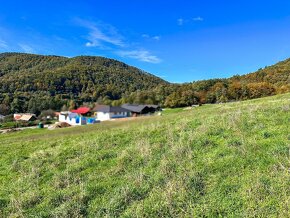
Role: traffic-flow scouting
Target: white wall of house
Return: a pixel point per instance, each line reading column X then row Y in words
column 62, row 118
column 102, row 116
column 72, row 121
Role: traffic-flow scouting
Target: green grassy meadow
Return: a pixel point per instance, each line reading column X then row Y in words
column 223, row 160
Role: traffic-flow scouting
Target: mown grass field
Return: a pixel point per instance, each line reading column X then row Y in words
column 224, row 160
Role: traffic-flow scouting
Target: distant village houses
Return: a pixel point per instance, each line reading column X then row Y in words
column 84, row 115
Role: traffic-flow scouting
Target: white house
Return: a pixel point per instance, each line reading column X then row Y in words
column 105, row 112
column 73, row 119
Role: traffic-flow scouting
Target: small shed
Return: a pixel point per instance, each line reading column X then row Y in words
column 24, row 117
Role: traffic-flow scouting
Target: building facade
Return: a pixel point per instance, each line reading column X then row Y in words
column 105, row 112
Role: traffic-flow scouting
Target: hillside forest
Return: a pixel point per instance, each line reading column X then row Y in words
column 33, row 83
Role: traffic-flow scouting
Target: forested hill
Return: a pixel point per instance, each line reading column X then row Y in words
column 53, row 80
column 32, row 83
column 277, row 74
column 61, row 75
column 266, row 81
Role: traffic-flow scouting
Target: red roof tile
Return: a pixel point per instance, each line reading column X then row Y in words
column 81, row 110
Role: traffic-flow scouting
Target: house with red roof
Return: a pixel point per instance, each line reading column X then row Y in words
column 77, row 117
column 82, row 111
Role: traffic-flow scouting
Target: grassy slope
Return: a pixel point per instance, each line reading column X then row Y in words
column 216, row 160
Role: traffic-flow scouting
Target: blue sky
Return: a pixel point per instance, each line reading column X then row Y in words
column 178, row 40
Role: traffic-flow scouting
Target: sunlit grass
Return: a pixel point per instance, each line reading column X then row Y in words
column 227, row 160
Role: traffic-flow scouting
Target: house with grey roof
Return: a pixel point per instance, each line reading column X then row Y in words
column 106, row 112
column 141, row 109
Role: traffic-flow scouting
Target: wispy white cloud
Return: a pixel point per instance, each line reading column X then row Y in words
column 147, row 36
column 141, row 55
column 156, row 38
column 180, row 21
column 197, row 18
column 107, row 37
column 183, row 21
column 26, row 48
column 3, row 44
column 101, row 34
